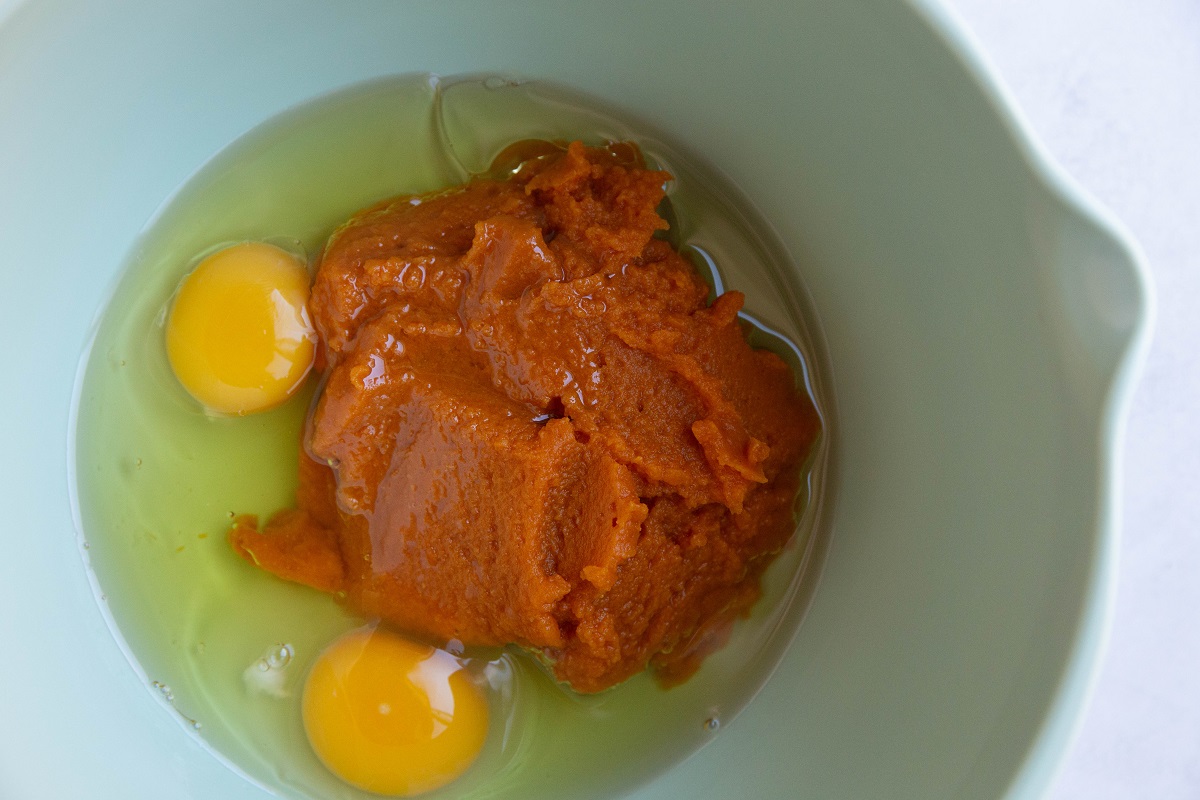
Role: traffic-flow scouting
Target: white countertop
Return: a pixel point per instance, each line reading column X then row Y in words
column 1113, row 89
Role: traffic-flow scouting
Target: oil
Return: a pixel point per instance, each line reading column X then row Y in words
column 158, row 480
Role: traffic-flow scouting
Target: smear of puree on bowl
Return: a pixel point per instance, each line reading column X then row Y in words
column 535, row 428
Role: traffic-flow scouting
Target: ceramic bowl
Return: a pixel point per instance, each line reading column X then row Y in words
column 982, row 321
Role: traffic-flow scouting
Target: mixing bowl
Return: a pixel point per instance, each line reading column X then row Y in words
column 982, row 322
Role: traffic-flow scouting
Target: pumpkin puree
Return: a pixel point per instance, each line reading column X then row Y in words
column 535, row 429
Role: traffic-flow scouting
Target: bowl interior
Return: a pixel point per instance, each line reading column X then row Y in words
column 975, row 318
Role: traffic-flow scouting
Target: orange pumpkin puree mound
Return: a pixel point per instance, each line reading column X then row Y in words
column 535, row 429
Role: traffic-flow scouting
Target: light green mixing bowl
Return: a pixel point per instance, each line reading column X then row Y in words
column 983, row 321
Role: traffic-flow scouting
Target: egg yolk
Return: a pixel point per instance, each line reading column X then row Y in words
column 238, row 335
column 391, row 716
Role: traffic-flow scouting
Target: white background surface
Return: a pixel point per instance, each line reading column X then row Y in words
column 1112, row 87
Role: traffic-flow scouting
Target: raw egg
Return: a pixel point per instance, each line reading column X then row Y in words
column 238, row 335
column 391, row 716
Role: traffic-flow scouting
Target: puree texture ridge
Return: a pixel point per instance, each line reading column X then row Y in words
column 535, row 428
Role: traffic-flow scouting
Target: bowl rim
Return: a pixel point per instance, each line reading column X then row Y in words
column 1078, row 677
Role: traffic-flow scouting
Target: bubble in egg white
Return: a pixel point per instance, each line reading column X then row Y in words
column 268, row 673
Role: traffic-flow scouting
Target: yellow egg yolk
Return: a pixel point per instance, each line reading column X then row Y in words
column 391, row 716
column 238, row 335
